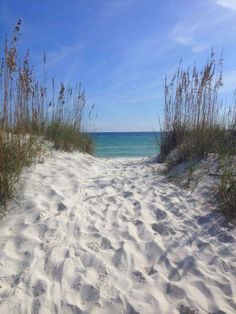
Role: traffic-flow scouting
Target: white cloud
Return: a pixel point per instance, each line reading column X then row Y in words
column 230, row 4
column 186, row 36
column 206, row 28
column 54, row 57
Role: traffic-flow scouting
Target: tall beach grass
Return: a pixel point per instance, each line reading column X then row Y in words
column 32, row 112
column 197, row 124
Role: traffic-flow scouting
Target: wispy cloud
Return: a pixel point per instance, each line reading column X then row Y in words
column 134, row 67
column 199, row 32
column 186, row 36
column 229, row 4
column 63, row 52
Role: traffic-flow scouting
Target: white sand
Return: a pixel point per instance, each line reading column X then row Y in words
column 112, row 236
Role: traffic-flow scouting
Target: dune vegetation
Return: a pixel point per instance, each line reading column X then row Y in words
column 31, row 113
column 197, row 124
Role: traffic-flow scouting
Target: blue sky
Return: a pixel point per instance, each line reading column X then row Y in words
column 120, row 50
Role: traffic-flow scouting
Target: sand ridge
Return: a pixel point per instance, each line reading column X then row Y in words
column 91, row 235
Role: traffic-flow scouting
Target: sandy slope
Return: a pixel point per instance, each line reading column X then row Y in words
column 111, row 236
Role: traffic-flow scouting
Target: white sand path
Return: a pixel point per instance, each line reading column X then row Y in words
column 91, row 235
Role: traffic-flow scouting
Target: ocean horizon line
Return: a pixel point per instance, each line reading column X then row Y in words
column 99, row 132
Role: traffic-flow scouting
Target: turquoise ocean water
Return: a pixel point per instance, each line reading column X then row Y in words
column 126, row 144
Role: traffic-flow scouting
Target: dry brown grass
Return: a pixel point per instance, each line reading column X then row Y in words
column 26, row 112
column 196, row 124
column 192, row 110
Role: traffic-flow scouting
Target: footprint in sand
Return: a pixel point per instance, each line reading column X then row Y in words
column 89, row 293
column 61, row 207
column 137, row 206
column 54, row 262
column 162, row 229
column 106, row 244
column 174, row 292
column 128, row 194
column 151, row 271
column 188, row 310
column 39, row 288
column 160, row 214
column 138, row 276
column 120, row 257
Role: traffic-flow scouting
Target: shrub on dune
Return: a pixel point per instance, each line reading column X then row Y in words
column 27, row 117
column 195, row 123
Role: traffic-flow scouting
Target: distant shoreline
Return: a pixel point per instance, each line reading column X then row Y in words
column 123, row 132
column 125, row 144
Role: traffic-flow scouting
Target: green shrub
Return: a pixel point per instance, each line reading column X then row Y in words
column 227, row 189
column 67, row 137
column 16, row 152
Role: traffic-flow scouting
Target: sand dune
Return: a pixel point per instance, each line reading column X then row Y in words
column 89, row 235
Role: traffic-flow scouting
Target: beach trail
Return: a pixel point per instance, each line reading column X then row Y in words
column 89, row 235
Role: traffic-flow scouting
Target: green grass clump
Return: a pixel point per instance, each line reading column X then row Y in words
column 15, row 154
column 67, row 137
column 226, row 191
